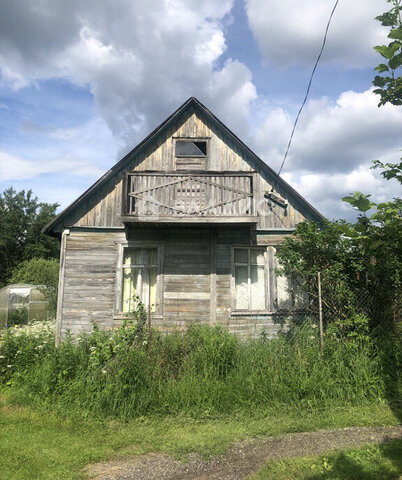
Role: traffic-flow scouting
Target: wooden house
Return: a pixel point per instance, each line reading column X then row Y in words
column 189, row 221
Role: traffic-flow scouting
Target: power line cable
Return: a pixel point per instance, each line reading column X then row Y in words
column 308, row 88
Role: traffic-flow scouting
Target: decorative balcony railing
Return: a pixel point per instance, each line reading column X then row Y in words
column 189, row 197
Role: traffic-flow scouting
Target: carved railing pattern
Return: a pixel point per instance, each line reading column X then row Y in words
column 181, row 195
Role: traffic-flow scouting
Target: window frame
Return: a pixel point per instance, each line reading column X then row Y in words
column 269, row 279
column 118, row 310
column 191, row 140
column 183, row 157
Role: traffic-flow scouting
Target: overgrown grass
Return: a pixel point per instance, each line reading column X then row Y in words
column 370, row 462
column 201, row 372
column 38, row 444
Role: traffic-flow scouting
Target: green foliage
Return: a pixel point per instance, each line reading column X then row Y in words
column 331, row 250
column 360, row 263
column 359, row 201
column 200, row 371
column 23, row 345
column 378, row 238
column 389, row 170
column 390, row 84
column 17, row 316
column 22, row 218
column 67, row 444
column 43, row 272
column 370, row 462
column 354, row 330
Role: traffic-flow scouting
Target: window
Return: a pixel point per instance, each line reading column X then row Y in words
column 139, row 278
column 191, row 154
column 256, row 288
column 188, row 148
column 250, row 282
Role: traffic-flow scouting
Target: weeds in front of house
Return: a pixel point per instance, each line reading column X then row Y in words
column 200, row 372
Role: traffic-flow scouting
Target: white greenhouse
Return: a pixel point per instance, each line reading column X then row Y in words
column 21, row 303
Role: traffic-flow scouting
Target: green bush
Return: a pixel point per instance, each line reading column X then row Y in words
column 17, row 316
column 200, row 371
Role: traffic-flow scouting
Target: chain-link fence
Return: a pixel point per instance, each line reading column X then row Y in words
column 333, row 302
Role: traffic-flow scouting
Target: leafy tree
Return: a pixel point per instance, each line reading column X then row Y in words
column 22, row 218
column 361, row 263
column 331, row 249
column 389, row 84
column 390, row 170
column 43, row 272
column 379, row 238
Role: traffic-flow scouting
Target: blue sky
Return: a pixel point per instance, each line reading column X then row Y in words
column 82, row 83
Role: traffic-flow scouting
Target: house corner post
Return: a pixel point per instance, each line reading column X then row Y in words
column 60, row 292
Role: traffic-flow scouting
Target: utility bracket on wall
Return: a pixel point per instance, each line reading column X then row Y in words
column 275, row 197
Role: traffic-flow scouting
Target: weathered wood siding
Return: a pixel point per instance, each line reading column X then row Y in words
column 103, row 207
column 196, row 278
column 89, row 280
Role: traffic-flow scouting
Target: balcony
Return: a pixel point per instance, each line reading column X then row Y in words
column 210, row 197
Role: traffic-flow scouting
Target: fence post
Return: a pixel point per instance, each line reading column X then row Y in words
column 149, row 309
column 320, row 315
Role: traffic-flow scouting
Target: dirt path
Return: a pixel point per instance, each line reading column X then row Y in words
column 242, row 459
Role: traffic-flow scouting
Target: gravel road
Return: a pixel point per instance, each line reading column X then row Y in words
column 240, row 460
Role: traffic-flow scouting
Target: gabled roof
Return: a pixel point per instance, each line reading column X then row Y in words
column 191, row 102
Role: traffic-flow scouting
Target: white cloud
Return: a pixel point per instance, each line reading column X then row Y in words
column 332, row 136
column 85, row 153
column 291, row 31
column 51, row 132
column 15, row 168
column 333, row 147
column 140, row 59
column 64, row 133
column 325, row 191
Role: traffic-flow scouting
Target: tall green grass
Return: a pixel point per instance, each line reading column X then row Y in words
column 201, row 371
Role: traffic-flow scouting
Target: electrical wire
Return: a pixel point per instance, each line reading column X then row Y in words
column 308, row 88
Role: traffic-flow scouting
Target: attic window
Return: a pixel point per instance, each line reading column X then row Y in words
column 191, row 154
column 187, row 148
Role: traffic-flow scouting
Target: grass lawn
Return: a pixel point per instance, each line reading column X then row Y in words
column 38, row 444
column 371, row 462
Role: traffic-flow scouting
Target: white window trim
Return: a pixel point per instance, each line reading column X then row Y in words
column 119, row 277
column 269, row 307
